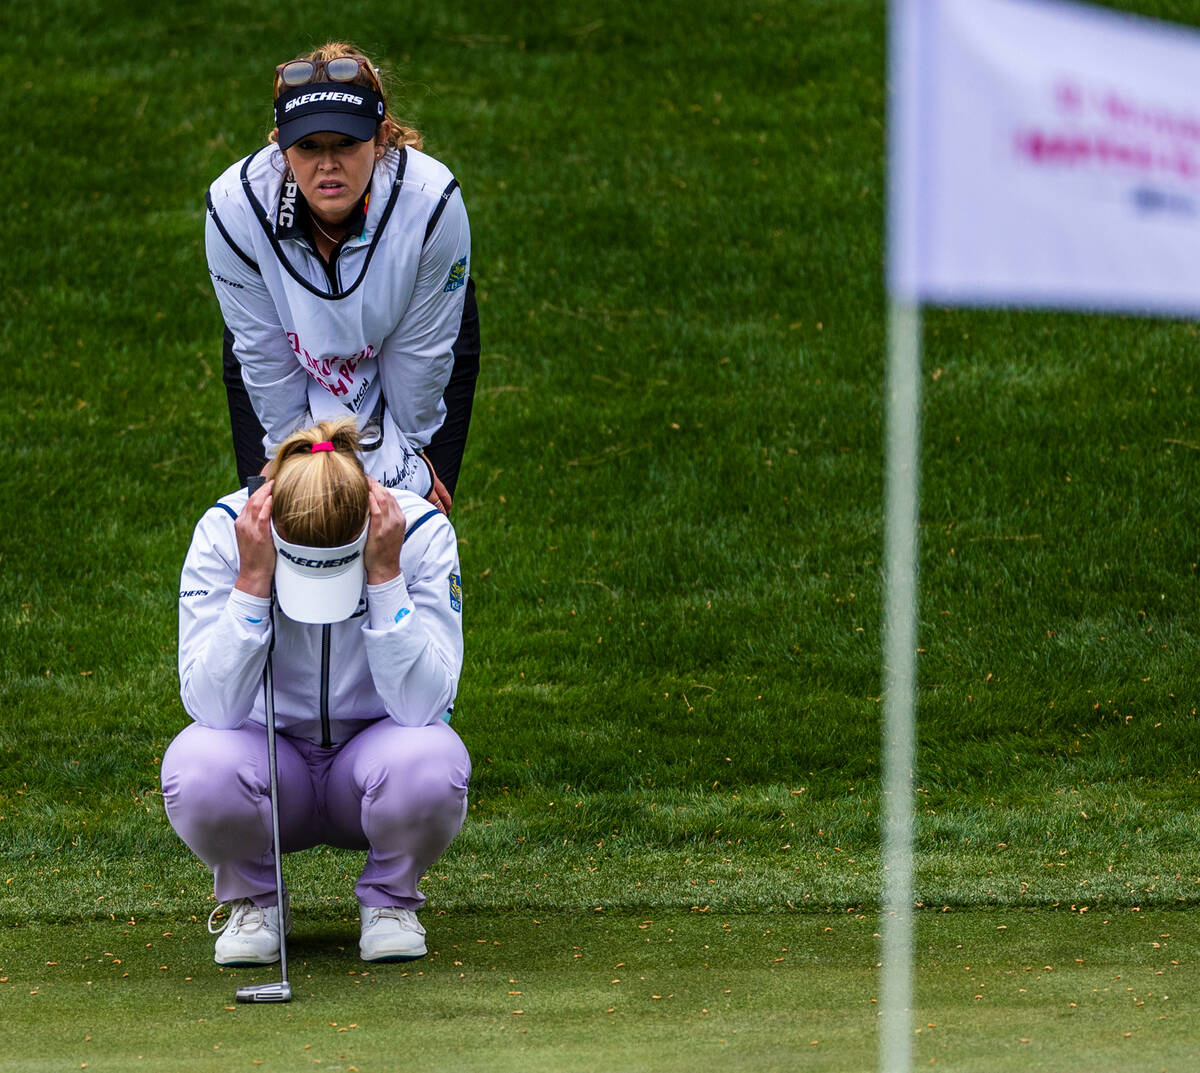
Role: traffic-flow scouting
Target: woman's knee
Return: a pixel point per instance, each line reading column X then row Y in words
column 422, row 769
column 203, row 771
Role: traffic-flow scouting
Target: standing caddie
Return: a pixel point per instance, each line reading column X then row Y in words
column 352, row 591
column 340, row 254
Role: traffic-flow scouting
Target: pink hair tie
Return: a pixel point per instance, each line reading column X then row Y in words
column 324, row 445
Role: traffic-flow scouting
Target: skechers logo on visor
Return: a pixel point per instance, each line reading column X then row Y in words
column 325, row 95
column 325, row 564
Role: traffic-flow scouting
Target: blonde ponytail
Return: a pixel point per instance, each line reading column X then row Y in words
column 321, row 495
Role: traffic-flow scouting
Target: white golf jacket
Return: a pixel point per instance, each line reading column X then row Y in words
column 398, row 656
column 373, row 336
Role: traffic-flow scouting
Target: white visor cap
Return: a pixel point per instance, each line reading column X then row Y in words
column 319, row 584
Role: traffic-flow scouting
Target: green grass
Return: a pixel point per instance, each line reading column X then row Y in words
column 670, row 525
column 1035, row 991
column 1007, row 990
column 499, row 991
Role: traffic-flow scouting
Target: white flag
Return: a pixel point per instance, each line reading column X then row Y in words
column 1043, row 154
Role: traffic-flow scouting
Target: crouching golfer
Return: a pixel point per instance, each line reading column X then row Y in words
column 364, row 635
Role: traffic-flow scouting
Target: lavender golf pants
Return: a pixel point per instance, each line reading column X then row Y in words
column 398, row 792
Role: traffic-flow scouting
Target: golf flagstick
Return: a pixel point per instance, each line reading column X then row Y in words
column 282, row 991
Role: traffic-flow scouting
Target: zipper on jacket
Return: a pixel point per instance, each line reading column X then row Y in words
column 332, row 270
column 326, row 741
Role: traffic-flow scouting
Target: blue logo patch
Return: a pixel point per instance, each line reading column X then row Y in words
column 458, row 275
column 456, row 593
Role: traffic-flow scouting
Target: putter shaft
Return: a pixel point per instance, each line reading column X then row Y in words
column 281, row 991
column 273, row 772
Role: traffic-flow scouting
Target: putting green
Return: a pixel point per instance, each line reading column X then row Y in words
column 608, row 990
column 1057, row 990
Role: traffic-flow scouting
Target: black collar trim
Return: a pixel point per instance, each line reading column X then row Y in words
column 268, row 229
column 293, row 217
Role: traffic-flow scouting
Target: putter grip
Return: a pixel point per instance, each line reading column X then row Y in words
column 253, row 484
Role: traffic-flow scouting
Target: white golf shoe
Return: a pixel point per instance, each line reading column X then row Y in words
column 390, row 933
column 250, row 935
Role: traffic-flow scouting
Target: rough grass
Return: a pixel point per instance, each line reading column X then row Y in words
column 670, row 511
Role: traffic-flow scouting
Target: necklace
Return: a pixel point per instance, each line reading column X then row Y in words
column 312, row 216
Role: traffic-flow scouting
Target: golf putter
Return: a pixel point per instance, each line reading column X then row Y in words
column 281, row 991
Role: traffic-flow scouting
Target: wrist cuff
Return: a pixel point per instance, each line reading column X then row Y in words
column 253, row 613
column 388, row 603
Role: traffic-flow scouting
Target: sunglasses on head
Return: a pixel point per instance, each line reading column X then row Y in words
column 341, row 69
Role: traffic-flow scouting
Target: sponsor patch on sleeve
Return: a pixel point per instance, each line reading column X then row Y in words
column 456, row 593
column 458, row 275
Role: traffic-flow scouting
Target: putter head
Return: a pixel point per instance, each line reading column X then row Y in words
column 278, row 992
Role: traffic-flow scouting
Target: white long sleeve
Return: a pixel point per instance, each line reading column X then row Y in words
column 399, row 656
column 417, row 358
